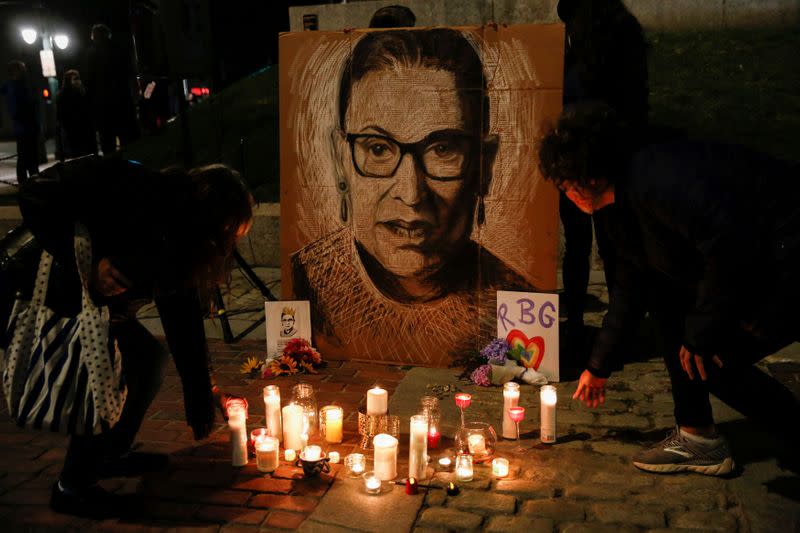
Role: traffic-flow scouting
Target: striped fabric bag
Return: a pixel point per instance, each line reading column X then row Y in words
column 61, row 373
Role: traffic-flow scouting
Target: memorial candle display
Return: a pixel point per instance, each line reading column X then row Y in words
column 267, row 454
column 237, row 422
column 418, row 447
column 500, row 467
column 377, row 401
column 547, row 429
column 272, row 404
column 510, row 399
column 463, row 467
column 293, row 427
column 385, row 456
column 332, row 417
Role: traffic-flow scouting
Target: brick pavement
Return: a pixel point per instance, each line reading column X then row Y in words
column 200, row 490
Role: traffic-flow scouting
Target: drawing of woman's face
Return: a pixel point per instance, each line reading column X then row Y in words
column 412, row 205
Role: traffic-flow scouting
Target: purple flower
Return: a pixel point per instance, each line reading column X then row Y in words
column 482, row 376
column 495, row 352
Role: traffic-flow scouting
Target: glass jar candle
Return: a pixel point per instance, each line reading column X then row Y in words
column 510, row 399
column 272, row 407
column 463, row 467
column 547, row 429
column 303, row 395
column 429, row 407
column 372, row 483
column 267, row 454
column 356, row 464
column 500, row 467
column 478, row 439
column 331, row 418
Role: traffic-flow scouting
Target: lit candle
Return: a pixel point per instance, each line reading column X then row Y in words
column 500, row 467
column 385, row 456
column 312, row 453
column 289, row 455
column 255, row 436
column 356, row 463
column 445, row 463
column 463, row 467
column 418, row 447
column 433, row 438
column 334, row 457
column 372, row 483
column 412, row 487
column 267, row 454
column 272, row 404
column 333, row 416
column 477, row 444
column 547, row 429
column 293, row 425
column 452, row 489
column 510, row 399
column 237, row 422
column 463, row 400
column 377, row 401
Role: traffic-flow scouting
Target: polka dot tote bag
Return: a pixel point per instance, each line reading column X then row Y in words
column 62, row 373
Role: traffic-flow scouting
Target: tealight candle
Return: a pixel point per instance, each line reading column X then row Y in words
column 452, row 489
column 377, row 401
column 510, row 399
column 334, row 457
column 356, row 463
column 372, row 483
column 463, row 467
column 267, row 454
column 272, row 404
column 333, row 416
column 476, row 444
column 547, row 429
column 312, row 453
column 385, row 456
column 289, row 455
column 500, row 467
column 445, row 463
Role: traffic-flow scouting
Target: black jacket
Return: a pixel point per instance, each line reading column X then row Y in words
column 718, row 224
column 128, row 211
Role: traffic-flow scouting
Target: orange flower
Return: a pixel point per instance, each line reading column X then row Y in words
column 283, row 365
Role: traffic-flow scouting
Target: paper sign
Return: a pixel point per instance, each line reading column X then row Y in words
column 286, row 320
column 529, row 322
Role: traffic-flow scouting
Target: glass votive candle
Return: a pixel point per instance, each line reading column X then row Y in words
column 311, row 453
column 356, row 464
column 372, row 483
column 289, row 455
column 334, row 457
column 331, row 418
column 257, row 435
column 463, row 467
column 267, row 454
column 500, row 467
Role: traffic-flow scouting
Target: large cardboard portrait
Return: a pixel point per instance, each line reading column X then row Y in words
column 409, row 185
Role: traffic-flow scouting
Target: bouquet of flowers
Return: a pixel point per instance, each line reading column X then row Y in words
column 298, row 356
column 495, row 364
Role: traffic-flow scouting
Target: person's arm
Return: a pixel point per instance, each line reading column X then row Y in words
column 182, row 317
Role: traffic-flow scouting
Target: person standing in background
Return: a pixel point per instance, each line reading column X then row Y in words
column 24, row 112
column 72, row 111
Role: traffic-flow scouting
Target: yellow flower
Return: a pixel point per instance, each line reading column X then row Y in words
column 252, row 365
column 283, row 365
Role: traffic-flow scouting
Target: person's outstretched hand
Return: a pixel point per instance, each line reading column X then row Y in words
column 591, row 390
column 221, row 401
column 690, row 360
column 109, row 281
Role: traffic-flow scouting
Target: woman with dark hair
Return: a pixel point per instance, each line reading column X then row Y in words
column 73, row 114
column 415, row 161
column 156, row 236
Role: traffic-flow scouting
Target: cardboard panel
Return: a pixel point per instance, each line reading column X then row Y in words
column 381, row 225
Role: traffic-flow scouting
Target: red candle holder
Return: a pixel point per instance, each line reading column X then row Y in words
column 433, row 438
column 463, row 400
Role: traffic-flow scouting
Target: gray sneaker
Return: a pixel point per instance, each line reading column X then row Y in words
column 677, row 453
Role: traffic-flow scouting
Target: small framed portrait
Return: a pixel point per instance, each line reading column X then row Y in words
column 286, row 320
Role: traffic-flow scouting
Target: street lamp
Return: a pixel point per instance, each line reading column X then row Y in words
column 61, row 40
column 29, row 35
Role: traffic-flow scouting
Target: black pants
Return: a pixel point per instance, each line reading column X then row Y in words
column 27, row 156
column 738, row 383
column 143, row 362
column 577, row 252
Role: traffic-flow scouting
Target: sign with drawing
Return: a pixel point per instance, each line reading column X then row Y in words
column 286, row 320
column 529, row 322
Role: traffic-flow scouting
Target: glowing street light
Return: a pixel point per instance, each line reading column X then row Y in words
column 29, row 35
column 61, row 40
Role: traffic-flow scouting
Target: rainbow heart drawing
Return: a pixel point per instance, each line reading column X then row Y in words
column 532, row 349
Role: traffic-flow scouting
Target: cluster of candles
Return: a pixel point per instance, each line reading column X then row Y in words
column 291, row 425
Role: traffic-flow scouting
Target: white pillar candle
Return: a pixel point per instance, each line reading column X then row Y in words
column 293, row 426
column 418, row 447
column 267, row 454
column 463, row 467
column 477, row 444
column 334, row 457
column 377, row 401
column 510, row 399
column 289, row 455
column 500, row 467
column 272, row 404
column 238, row 425
column 385, row 456
column 547, row 429
column 333, row 423
column 312, row 453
